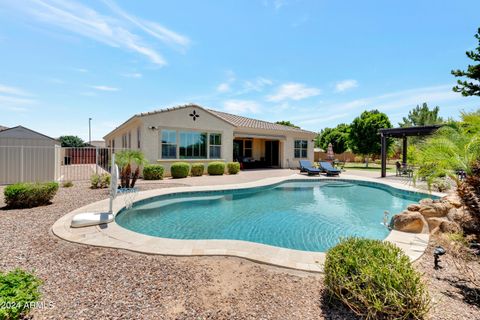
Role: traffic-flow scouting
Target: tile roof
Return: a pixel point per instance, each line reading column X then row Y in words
column 244, row 122
column 235, row 120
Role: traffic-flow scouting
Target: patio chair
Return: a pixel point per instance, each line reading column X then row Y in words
column 329, row 169
column 306, row 166
column 403, row 170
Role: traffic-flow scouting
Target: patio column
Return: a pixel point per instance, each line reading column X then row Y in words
column 384, row 155
column 404, row 150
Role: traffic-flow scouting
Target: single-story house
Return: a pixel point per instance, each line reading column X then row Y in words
column 192, row 133
column 27, row 156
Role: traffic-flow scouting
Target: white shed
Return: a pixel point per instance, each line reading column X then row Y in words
column 27, row 156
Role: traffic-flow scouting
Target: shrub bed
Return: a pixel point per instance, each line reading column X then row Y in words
column 197, row 169
column 100, row 181
column 233, row 167
column 179, row 170
column 376, row 280
column 153, row 172
column 29, row 195
column 216, row 168
column 18, row 293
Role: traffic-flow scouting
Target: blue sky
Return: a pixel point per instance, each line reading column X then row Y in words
column 315, row 63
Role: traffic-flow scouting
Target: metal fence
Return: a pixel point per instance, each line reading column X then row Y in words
column 40, row 163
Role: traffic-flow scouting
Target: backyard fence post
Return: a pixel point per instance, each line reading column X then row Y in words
column 96, row 160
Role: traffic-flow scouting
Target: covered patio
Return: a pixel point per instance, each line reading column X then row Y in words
column 255, row 151
column 402, row 133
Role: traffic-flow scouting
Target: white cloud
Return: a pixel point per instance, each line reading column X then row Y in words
column 105, row 88
column 346, row 85
column 293, row 91
column 13, row 90
column 136, row 75
column 223, row 87
column 241, row 106
column 14, row 99
column 113, row 31
column 152, row 28
column 256, row 85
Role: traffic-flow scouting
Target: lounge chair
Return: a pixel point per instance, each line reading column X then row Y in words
column 328, row 169
column 403, row 170
column 306, row 166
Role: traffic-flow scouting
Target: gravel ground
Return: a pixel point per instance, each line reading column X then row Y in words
column 82, row 282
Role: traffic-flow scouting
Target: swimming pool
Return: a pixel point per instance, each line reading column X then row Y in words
column 301, row 215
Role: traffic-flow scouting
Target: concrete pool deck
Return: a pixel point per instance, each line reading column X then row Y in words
column 113, row 236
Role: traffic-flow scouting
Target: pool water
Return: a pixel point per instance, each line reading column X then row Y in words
column 310, row 216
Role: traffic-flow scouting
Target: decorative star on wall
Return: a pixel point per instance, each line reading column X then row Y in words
column 194, row 115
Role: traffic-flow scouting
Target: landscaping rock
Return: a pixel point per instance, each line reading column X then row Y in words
column 426, row 201
column 449, row 227
column 414, row 207
column 453, row 200
column 455, row 214
column 434, row 223
column 408, row 221
column 439, row 209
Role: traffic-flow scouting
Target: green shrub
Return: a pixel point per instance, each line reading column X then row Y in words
column 179, row 170
column 98, row 181
column 29, row 195
column 153, row 172
column 376, row 280
column 197, row 169
column 216, row 168
column 67, row 184
column 18, row 293
column 233, row 167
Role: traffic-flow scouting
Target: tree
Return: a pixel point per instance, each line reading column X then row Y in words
column 473, row 72
column 125, row 159
column 71, row 141
column 363, row 136
column 337, row 136
column 421, row 116
column 456, row 146
column 287, row 123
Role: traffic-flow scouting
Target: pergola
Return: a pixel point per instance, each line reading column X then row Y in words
column 402, row 133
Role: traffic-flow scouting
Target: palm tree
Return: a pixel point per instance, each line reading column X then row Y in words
column 125, row 159
column 455, row 147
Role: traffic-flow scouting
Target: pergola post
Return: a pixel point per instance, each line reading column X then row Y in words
column 404, row 151
column 384, row 155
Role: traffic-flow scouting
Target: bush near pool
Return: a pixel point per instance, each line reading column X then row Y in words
column 179, row 170
column 153, row 172
column 216, row 168
column 376, row 280
column 29, row 195
column 233, row 167
column 18, row 291
column 99, row 181
column 197, row 169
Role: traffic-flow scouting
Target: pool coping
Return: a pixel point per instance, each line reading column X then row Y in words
column 112, row 235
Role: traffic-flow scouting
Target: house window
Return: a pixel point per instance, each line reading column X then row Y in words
column 169, row 144
column 113, row 144
column 247, row 148
column 124, row 141
column 300, row 148
column 138, row 138
column 215, row 146
column 129, row 140
column 193, row 145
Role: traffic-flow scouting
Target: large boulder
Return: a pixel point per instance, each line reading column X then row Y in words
column 456, row 214
column 434, row 223
column 414, row 207
column 453, row 200
column 449, row 227
column 408, row 221
column 426, row 201
column 434, row 209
